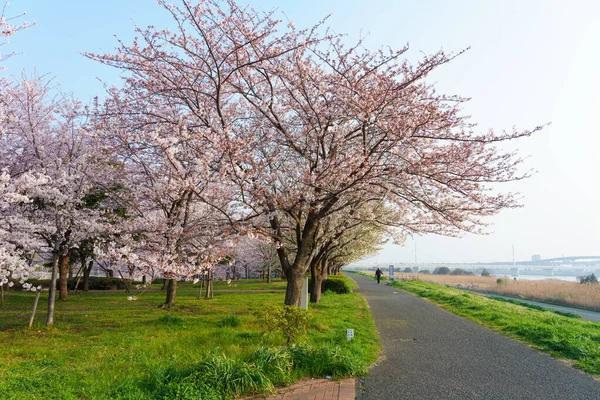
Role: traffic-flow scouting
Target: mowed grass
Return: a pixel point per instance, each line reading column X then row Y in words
column 554, row 291
column 241, row 284
column 106, row 347
column 563, row 337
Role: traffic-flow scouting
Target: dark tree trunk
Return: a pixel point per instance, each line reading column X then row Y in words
column 171, row 292
column 86, row 276
column 268, row 273
column 63, row 269
column 293, row 290
column 318, row 271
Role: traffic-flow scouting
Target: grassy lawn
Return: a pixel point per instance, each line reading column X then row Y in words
column 105, row 347
column 564, row 337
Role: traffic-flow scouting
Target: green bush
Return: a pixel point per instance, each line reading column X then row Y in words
column 95, row 283
column 588, row 279
column 291, row 321
column 336, row 284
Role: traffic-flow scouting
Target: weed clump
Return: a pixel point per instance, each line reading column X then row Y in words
column 231, row 321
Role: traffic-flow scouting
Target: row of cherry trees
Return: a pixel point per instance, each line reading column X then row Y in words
column 232, row 126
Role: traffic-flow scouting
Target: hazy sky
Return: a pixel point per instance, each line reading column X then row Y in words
column 530, row 62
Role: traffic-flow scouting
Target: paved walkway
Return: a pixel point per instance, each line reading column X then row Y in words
column 430, row 353
column 314, row 389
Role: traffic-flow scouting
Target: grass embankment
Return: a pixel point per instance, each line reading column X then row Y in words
column 106, row 347
column 554, row 291
column 562, row 337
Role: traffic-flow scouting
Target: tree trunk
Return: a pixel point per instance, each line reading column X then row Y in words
column 318, row 271
column 63, row 272
column 52, row 290
column 86, row 276
column 171, row 292
column 1, row 295
column 293, row 290
column 268, row 273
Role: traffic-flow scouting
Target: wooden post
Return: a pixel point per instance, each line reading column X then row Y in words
column 35, row 304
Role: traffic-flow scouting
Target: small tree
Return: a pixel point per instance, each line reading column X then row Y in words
column 441, row 271
column 485, row 272
column 588, row 279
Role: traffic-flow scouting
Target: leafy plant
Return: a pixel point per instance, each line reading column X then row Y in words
column 291, row 321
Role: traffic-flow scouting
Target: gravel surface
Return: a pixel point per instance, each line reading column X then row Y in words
column 429, row 353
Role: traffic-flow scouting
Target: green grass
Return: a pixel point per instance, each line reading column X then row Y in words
column 536, row 307
column 106, row 347
column 563, row 337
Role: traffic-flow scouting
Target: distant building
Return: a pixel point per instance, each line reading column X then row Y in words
column 536, row 257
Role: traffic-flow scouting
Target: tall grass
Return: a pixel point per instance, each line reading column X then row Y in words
column 548, row 290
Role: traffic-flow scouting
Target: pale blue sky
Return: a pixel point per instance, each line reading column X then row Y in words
column 531, row 62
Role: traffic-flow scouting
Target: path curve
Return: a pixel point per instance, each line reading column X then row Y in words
column 430, row 353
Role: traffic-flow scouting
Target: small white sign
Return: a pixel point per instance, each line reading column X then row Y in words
column 350, row 333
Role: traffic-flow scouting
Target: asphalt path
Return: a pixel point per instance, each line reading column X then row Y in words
column 429, row 353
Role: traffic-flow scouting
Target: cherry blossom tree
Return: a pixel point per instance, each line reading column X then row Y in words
column 46, row 156
column 164, row 186
column 8, row 28
column 300, row 127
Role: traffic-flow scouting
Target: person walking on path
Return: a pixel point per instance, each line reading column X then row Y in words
column 378, row 274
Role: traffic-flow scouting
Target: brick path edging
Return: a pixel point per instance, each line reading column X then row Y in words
column 313, row 389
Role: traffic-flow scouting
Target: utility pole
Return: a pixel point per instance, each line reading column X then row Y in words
column 415, row 253
column 513, row 255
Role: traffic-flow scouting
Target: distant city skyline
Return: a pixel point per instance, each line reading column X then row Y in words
column 529, row 63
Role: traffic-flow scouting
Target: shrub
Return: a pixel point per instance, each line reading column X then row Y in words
column 291, row 321
column 336, row 284
column 460, row 271
column 95, row 283
column 441, row 271
column 485, row 272
column 588, row 279
column 408, row 270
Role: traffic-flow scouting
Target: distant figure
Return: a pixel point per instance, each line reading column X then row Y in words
column 378, row 274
